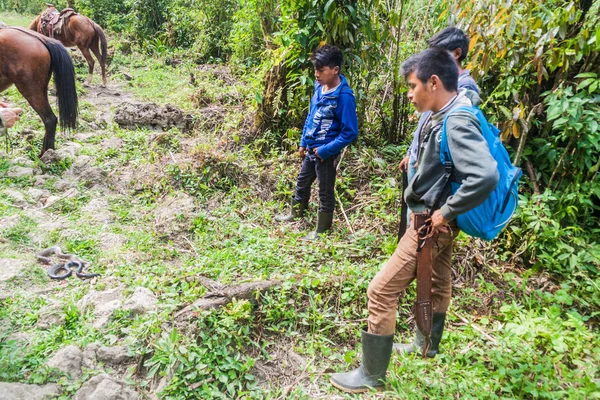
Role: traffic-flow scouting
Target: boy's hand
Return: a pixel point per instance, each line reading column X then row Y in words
column 11, row 115
column 438, row 222
column 302, row 152
column 316, row 150
column 404, row 164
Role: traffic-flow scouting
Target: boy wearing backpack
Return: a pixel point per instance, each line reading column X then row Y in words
column 432, row 77
column 455, row 41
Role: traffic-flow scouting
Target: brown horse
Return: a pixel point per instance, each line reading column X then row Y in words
column 27, row 59
column 84, row 33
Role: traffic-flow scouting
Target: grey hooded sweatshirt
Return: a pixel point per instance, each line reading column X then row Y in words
column 474, row 166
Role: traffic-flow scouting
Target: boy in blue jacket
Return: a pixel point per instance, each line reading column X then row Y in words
column 330, row 126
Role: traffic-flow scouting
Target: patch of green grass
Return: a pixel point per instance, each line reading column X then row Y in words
column 14, row 19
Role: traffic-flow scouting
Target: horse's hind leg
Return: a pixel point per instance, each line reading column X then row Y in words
column 88, row 57
column 96, row 50
column 38, row 99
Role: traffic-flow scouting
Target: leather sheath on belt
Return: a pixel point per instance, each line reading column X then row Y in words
column 423, row 309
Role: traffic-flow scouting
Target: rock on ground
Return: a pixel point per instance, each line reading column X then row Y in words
column 38, row 195
column 105, row 387
column 22, row 391
column 173, row 214
column 10, row 268
column 104, row 303
column 116, row 355
column 111, row 241
column 141, row 301
column 9, row 222
column 97, row 210
column 15, row 196
column 150, row 115
column 83, row 169
column 51, row 315
column 18, row 172
column 68, row 360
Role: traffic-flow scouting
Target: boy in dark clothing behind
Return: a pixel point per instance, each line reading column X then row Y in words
column 330, row 126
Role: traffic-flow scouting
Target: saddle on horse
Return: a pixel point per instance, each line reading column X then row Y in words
column 52, row 21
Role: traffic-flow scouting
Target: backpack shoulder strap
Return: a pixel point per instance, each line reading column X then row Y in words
column 445, row 157
column 444, row 148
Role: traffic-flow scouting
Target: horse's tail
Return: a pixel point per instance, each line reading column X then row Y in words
column 102, row 37
column 64, row 79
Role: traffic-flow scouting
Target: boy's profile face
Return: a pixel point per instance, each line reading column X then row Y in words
column 420, row 94
column 327, row 76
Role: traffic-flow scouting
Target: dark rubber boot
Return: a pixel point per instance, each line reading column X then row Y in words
column 413, row 347
column 377, row 350
column 297, row 212
column 324, row 221
column 437, row 329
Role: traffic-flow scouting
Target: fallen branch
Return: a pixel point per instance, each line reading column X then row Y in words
column 225, row 295
column 344, row 213
column 477, row 328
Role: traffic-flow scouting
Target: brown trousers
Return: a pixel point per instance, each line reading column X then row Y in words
column 400, row 270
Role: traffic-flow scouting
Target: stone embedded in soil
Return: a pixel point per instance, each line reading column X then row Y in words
column 114, row 143
column 111, row 242
column 24, row 162
column 50, row 157
column 116, row 355
column 40, row 180
column 69, row 150
column 19, row 172
column 16, row 197
column 150, row 115
column 97, row 210
column 9, row 222
column 68, row 360
column 11, row 268
column 51, row 315
column 173, row 214
column 83, row 169
column 104, row 303
column 22, row 391
column 64, row 184
column 38, row 195
column 105, row 387
column 141, row 301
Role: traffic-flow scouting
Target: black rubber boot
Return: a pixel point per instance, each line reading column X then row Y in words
column 296, row 212
column 437, row 330
column 377, row 350
column 324, row 221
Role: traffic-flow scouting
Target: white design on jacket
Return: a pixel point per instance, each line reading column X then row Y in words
column 322, row 121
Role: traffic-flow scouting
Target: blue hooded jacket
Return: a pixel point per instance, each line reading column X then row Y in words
column 331, row 123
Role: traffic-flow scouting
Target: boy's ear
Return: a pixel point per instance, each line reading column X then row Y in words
column 336, row 69
column 436, row 82
column 457, row 53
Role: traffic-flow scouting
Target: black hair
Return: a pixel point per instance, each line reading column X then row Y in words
column 434, row 61
column 327, row 56
column 451, row 38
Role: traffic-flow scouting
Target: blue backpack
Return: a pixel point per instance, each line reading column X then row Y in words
column 489, row 218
